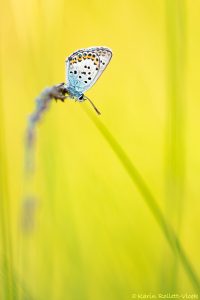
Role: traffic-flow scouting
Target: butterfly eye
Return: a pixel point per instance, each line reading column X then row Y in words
column 80, row 55
column 84, row 54
column 89, row 55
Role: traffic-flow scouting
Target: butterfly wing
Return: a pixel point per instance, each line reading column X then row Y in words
column 85, row 66
column 82, row 68
column 105, row 55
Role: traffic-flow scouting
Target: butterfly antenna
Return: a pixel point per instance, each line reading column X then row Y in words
column 93, row 105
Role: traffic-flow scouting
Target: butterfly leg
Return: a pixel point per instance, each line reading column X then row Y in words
column 63, row 98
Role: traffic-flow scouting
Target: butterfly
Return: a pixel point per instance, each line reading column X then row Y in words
column 83, row 69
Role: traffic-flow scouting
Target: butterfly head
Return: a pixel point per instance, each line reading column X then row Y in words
column 82, row 98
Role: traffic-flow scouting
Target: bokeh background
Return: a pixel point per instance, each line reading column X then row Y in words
column 80, row 228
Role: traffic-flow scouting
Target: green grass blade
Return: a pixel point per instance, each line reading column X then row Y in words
column 148, row 198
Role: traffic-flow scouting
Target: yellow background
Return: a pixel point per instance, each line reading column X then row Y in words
column 90, row 234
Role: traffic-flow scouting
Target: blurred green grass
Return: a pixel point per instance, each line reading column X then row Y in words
column 176, row 25
column 92, row 236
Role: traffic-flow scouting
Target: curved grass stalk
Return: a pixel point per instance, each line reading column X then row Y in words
column 43, row 101
column 149, row 199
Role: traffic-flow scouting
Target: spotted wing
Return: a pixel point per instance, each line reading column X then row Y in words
column 82, row 69
column 85, row 66
column 105, row 55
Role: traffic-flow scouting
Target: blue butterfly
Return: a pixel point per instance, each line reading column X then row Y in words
column 83, row 68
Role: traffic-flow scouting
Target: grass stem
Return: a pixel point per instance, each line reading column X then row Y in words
column 148, row 197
